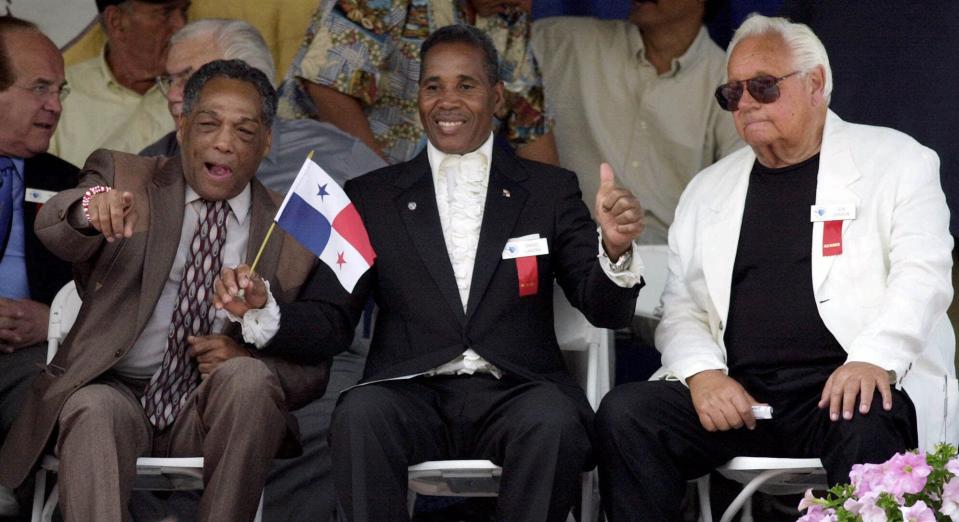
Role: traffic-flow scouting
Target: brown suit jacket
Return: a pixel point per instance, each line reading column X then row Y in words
column 120, row 283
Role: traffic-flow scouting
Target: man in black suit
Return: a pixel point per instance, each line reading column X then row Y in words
column 464, row 361
column 31, row 86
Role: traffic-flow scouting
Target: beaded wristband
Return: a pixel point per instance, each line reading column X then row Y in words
column 88, row 195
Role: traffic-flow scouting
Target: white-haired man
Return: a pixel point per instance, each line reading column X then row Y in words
column 203, row 41
column 809, row 272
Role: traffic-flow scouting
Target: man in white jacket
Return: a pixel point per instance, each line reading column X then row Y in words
column 808, row 272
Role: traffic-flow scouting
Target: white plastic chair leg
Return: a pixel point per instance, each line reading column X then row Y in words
column 746, row 494
column 259, row 509
column 589, row 511
column 705, row 505
column 50, row 505
column 747, row 511
column 410, row 502
column 39, row 491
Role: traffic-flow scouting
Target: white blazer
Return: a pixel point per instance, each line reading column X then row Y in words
column 884, row 298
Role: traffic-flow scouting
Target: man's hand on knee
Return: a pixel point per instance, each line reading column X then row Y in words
column 721, row 403
column 850, row 380
column 210, row 351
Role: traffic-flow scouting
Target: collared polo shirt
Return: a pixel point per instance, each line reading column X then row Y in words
column 100, row 113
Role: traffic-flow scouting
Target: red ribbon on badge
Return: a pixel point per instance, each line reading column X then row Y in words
column 528, row 274
column 831, row 238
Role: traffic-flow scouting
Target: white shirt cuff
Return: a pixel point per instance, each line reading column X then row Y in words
column 260, row 324
column 627, row 278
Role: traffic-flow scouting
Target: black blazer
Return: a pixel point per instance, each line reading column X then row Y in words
column 421, row 323
column 46, row 273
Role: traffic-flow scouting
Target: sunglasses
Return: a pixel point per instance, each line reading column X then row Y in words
column 763, row 88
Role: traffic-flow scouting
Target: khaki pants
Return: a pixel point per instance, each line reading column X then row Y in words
column 235, row 420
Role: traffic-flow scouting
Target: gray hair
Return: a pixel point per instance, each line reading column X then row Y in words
column 807, row 50
column 234, row 70
column 465, row 34
column 236, row 39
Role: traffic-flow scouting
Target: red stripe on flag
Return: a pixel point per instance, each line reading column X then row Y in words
column 349, row 225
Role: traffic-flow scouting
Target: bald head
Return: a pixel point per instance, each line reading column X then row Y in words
column 10, row 24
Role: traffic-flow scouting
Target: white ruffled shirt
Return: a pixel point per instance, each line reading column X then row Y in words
column 461, row 183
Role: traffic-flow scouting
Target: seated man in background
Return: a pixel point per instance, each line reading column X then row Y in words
column 357, row 70
column 464, row 361
column 202, row 41
column 638, row 94
column 301, row 488
column 115, row 103
column 31, row 89
column 810, row 272
column 145, row 369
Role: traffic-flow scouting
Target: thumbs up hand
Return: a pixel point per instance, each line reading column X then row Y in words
column 618, row 213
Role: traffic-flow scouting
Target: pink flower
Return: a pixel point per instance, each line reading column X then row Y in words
column 917, row 512
column 904, row 476
column 808, row 500
column 870, row 512
column 953, row 466
column 866, row 477
column 817, row 514
column 866, row 508
column 906, row 473
column 950, row 499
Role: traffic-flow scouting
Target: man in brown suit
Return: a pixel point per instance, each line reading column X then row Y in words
column 144, row 371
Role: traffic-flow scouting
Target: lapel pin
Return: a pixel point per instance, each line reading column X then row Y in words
column 506, row 193
column 411, row 205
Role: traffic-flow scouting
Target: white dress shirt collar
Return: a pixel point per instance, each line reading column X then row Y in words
column 239, row 204
column 437, row 156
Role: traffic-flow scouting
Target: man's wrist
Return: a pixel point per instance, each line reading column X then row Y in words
column 614, row 253
column 704, row 374
column 622, row 263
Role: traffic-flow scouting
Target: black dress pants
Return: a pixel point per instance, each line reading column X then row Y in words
column 650, row 441
column 539, row 432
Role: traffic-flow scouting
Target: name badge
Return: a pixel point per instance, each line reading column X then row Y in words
column 832, row 217
column 524, row 250
column 832, row 212
column 38, row 196
column 525, row 247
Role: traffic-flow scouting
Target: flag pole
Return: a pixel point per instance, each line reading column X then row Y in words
column 269, row 233
column 262, row 247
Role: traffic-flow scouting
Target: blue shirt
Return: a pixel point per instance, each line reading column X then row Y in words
column 13, row 266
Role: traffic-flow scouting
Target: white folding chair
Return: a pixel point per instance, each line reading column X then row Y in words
column 580, row 341
column 153, row 474
column 772, row 476
column 656, row 268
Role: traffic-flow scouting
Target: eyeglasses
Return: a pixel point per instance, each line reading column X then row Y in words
column 166, row 81
column 763, row 88
column 44, row 90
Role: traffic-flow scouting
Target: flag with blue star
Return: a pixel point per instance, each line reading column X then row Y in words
column 318, row 214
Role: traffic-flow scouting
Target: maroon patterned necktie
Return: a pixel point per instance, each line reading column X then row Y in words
column 193, row 315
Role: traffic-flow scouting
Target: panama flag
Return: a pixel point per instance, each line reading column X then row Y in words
column 317, row 213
